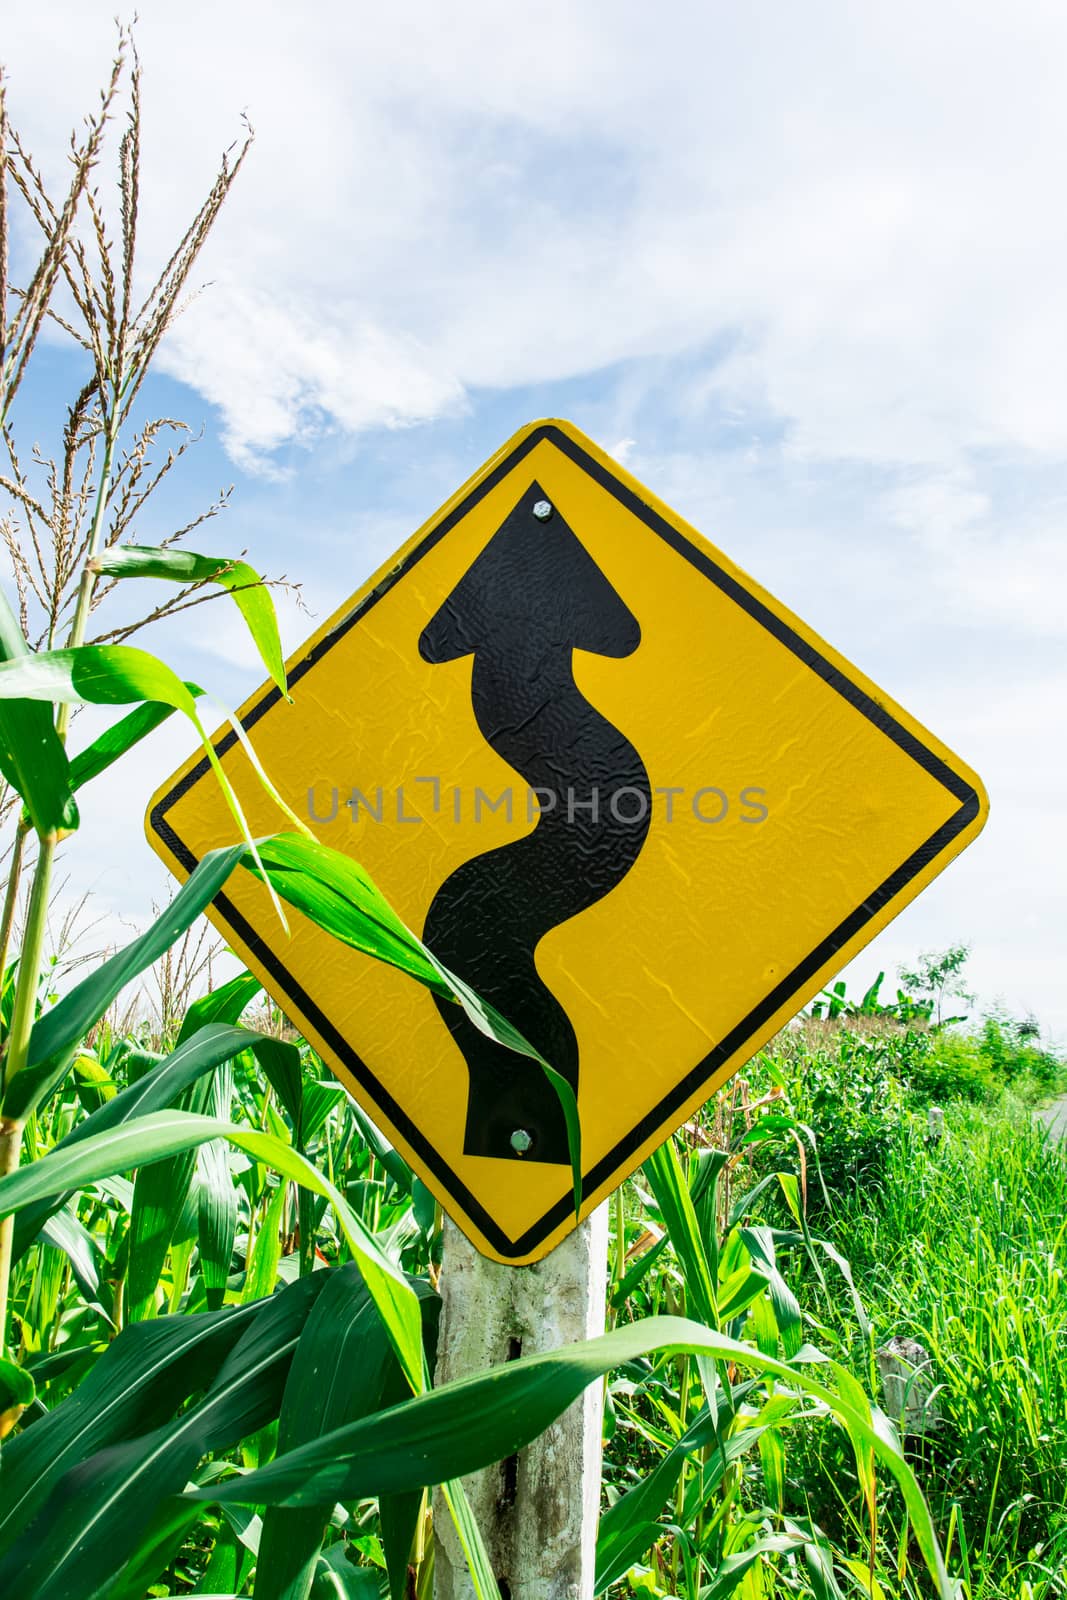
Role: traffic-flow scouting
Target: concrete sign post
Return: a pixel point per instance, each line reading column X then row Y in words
column 537, row 1512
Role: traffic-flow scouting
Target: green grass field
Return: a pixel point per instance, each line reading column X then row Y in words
column 809, row 1210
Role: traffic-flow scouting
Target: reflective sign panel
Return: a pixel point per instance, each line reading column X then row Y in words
column 614, row 785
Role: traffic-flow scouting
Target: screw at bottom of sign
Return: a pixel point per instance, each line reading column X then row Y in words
column 543, row 510
column 521, row 1141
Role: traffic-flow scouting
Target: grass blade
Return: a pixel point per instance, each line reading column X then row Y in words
column 664, row 1172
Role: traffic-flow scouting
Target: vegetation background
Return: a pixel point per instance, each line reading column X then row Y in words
column 218, row 1282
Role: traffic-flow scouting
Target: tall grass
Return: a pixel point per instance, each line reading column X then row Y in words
column 958, row 1242
column 963, row 1247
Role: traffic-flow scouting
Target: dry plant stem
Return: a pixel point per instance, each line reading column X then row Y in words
column 18, row 1046
column 89, row 577
column 10, row 1145
column 11, row 894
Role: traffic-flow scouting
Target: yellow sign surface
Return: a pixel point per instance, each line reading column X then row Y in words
column 614, row 784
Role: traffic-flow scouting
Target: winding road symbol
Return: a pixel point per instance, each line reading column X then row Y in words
column 530, row 600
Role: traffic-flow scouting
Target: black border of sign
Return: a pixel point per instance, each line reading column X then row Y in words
column 656, row 1118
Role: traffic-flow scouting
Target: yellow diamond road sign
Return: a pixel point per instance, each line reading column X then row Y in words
column 614, row 785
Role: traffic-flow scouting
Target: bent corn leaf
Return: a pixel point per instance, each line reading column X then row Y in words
column 165, row 1133
column 116, row 674
column 33, row 759
column 57, row 1034
column 245, row 585
column 339, row 895
column 121, row 737
column 464, row 1426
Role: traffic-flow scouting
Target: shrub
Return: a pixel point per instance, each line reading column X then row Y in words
column 841, row 1082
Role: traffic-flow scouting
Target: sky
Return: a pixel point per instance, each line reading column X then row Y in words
column 801, row 268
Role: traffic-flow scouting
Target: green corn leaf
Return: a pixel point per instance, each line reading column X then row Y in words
column 813, row 1244
column 632, row 1525
column 93, row 1520
column 664, row 1172
column 859, row 1439
column 138, row 1381
column 57, row 1034
column 93, row 1082
column 159, row 1544
column 737, row 1294
column 772, row 1458
column 182, row 1250
column 117, row 674
column 227, row 1003
column 80, row 1248
column 733, row 1568
column 216, row 1219
column 398, row 1518
column 119, row 738
column 158, row 1089
column 759, row 1242
column 245, row 585
column 340, row 1373
column 282, row 1070
column 320, row 1098
column 398, row 1514
column 337, row 1578
column 32, row 757
column 463, row 1426
column 818, row 1559
column 637, row 1272
column 161, row 1192
column 222, row 1575
column 338, row 895
column 216, row 1197
column 267, row 1250
column 470, row 1537
column 383, row 1151
column 166, row 1133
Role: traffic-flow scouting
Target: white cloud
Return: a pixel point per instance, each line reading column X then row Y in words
column 941, row 510
column 280, row 374
column 855, row 209
column 979, row 564
column 447, row 197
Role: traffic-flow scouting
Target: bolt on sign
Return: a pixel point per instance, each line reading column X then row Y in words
column 614, row 785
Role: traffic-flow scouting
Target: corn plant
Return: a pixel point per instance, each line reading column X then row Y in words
column 222, row 1363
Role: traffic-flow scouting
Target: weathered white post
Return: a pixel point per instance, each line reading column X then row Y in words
column 537, row 1512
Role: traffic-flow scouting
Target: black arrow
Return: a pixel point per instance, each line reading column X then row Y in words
column 531, row 599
